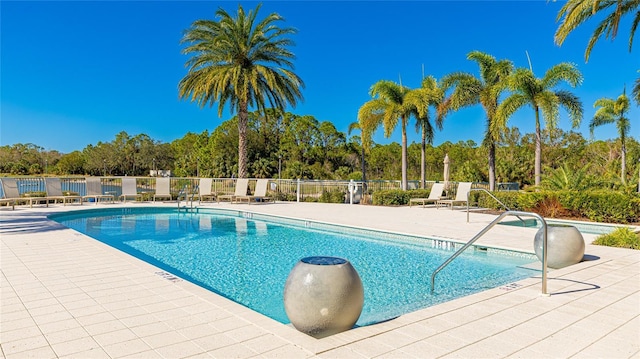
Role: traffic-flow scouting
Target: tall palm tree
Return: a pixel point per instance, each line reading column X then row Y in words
column 243, row 62
column 429, row 95
column 539, row 94
column 388, row 108
column 486, row 91
column 577, row 12
column 610, row 111
column 356, row 126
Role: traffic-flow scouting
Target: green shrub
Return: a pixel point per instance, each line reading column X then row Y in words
column 608, row 206
column 393, row 197
column 597, row 206
column 35, row 194
column 510, row 199
column 281, row 196
column 419, row 193
column 334, row 196
column 621, row 237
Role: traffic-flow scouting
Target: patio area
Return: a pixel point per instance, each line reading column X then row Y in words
column 66, row 295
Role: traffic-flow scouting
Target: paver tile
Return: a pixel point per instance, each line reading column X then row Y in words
column 123, row 349
column 38, row 353
column 23, row 345
column 75, row 346
column 233, row 351
column 180, row 350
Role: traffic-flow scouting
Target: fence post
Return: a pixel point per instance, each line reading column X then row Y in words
column 298, row 191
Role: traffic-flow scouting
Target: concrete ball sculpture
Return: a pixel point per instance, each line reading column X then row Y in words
column 565, row 245
column 323, row 296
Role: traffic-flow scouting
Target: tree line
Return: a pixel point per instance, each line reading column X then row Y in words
column 286, row 145
column 244, row 62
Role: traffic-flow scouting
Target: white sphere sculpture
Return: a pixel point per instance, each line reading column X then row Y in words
column 323, row 296
column 565, row 245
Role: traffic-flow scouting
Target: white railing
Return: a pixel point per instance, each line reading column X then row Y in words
column 282, row 189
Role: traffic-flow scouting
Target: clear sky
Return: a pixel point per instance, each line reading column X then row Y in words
column 78, row 72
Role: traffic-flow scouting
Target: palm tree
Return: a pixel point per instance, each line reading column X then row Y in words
column 577, row 12
column 424, row 97
column 243, row 62
column 356, row 126
column 486, row 91
column 539, row 94
column 388, row 106
column 636, row 91
column 610, row 111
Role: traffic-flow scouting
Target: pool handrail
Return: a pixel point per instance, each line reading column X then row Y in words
column 486, row 229
column 185, row 192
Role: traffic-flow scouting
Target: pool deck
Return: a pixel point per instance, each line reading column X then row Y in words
column 66, row 295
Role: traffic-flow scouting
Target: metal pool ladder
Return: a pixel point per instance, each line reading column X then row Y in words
column 188, row 197
column 486, row 229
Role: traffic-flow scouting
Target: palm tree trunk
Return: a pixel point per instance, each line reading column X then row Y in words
column 423, row 161
column 492, row 165
column 538, row 155
column 243, row 116
column 404, row 155
column 623, row 158
column 364, row 175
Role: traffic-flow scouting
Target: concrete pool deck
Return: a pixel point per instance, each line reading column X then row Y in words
column 66, row 295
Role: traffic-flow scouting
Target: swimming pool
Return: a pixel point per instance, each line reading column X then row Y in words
column 247, row 257
column 584, row 227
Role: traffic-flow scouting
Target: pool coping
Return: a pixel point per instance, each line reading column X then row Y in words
column 359, row 340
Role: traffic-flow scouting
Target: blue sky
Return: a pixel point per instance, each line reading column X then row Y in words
column 78, row 72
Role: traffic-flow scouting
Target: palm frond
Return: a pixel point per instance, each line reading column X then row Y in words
column 572, row 104
column 564, row 71
column 576, row 12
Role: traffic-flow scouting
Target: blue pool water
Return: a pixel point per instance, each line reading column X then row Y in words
column 247, row 257
column 584, row 227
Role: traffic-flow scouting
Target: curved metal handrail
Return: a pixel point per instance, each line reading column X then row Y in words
column 492, row 196
column 486, row 229
column 185, row 192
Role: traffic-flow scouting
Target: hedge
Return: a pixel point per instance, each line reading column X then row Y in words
column 597, row 205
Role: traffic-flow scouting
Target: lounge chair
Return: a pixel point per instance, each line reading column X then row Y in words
column 129, row 189
column 54, row 192
column 260, row 193
column 434, row 196
column 462, row 194
column 204, row 190
column 94, row 190
column 163, row 188
column 10, row 193
column 242, row 184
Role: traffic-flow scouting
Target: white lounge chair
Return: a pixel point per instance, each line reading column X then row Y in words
column 54, row 192
column 204, row 190
column 242, row 184
column 163, row 188
column 462, row 194
column 129, row 189
column 434, row 196
column 94, row 190
column 260, row 193
column 10, row 192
